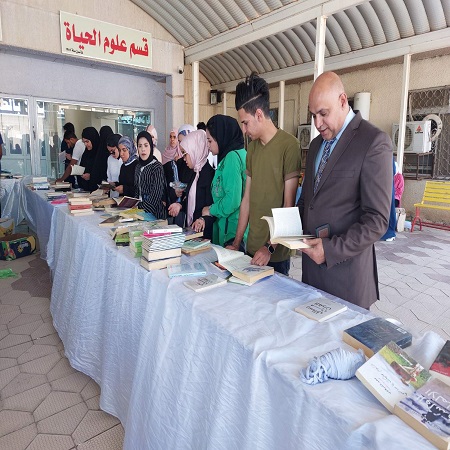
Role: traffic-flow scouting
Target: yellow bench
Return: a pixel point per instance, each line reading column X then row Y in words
column 436, row 196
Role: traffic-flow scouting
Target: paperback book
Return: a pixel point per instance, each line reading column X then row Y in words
column 159, row 263
column 321, row 309
column 126, row 202
column 205, row 283
column 189, row 233
column 186, row 270
column 77, row 170
column 428, row 412
column 195, row 246
column 374, row 334
column 285, row 228
column 391, row 375
column 240, row 265
column 441, row 365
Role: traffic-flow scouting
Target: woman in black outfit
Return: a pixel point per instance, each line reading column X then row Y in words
column 128, row 153
column 91, row 140
column 194, row 148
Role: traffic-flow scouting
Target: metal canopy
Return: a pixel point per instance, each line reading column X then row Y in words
column 276, row 38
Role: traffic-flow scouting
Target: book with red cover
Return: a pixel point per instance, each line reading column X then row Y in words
column 72, row 207
column 441, row 365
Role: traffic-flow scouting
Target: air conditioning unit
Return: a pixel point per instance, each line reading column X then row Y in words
column 417, row 136
column 304, row 136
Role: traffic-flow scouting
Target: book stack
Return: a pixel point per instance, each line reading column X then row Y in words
column 40, row 183
column 136, row 238
column 56, row 198
column 61, row 186
column 195, row 246
column 160, row 250
column 80, row 206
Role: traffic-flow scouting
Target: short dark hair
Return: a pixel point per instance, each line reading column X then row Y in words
column 253, row 94
column 201, row 126
column 69, row 135
column 69, row 127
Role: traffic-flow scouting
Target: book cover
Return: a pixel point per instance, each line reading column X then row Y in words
column 285, row 228
column 77, row 170
column 162, row 254
column 160, row 263
column 109, row 222
column 186, row 270
column 204, row 283
column 80, row 212
column 374, row 334
column 321, row 309
column 127, row 202
column 163, row 229
column 391, row 375
column 428, row 412
column 189, row 233
column 74, row 206
column 441, row 365
column 240, row 265
column 195, row 246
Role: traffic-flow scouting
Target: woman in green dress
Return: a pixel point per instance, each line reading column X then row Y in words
column 225, row 139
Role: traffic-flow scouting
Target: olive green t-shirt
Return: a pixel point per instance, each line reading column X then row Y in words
column 269, row 166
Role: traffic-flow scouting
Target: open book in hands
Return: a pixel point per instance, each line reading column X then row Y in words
column 286, row 228
column 240, row 266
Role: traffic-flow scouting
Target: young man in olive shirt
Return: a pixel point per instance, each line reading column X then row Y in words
column 273, row 169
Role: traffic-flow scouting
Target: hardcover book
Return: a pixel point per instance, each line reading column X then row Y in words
column 286, row 228
column 391, row 375
column 186, row 270
column 159, row 263
column 441, row 365
column 240, row 266
column 204, row 283
column 374, row 334
column 321, row 309
column 428, row 412
column 126, row 202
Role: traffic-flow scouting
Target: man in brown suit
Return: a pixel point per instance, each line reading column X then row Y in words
column 346, row 193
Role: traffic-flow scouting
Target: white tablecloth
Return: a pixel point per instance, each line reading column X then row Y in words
column 217, row 370
column 11, row 193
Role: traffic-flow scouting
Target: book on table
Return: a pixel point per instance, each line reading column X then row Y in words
column 189, row 234
column 186, row 270
column 77, row 170
column 427, row 411
column 160, row 230
column 163, row 242
column 240, row 265
column 441, row 365
column 161, row 254
column 205, row 283
column 321, row 309
column 110, row 222
column 82, row 212
column 126, row 202
column 195, row 246
column 159, row 263
column 372, row 335
column 285, row 227
column 391, row 375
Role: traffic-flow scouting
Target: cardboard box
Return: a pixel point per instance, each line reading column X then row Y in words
column 16, row 246
column 6, row 227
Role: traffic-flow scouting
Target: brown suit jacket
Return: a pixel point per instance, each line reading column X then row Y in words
column 354, row 198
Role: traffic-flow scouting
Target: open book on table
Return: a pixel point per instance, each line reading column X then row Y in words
column 239, row 265
column 286, row 228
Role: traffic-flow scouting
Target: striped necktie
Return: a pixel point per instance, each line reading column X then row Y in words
column 323, row 162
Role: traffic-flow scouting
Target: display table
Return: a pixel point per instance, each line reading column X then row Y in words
column 217, row 370
column 11, row 198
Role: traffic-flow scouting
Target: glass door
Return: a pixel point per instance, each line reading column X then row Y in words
column 15, row 131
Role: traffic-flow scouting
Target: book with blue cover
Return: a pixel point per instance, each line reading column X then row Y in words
column 374, row 334
column 186, row 270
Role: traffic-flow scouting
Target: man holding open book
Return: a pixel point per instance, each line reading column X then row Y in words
column 346, row 196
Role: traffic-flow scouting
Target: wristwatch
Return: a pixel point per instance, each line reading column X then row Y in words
column 269, row 247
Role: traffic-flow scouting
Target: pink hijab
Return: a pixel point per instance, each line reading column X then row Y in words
column 172, row 153
column 196, row 145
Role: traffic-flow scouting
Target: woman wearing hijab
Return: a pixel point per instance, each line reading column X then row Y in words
column 154, row 134
column 101, row 160
column 225, row 139
column 114, row 162
column 128, row 154
column 91, row 141
column 198, row 192
column 150, row 184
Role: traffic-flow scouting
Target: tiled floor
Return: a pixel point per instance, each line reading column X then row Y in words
column 46, row 405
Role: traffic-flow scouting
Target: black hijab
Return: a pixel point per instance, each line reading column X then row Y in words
column 148, row 136
column 225, row 130
column 101, row 159
column 88, row 158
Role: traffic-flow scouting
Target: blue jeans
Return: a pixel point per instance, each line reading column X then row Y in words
column 281, row 266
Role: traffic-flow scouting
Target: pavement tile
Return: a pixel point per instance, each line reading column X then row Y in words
column 56, row 402
column 9, row 317
column 61, row 370
column 51, row 442
column 46, row 329
column 6, row 363
column 22, row 382
column 94, row 403
column 28, row 400
column 74, row 382
column 13, row 339
column 111, row 439
column 51, row 339
column 93, row 423
column 41, row 365
column 91, row 390
column 36, row 351
column 27, row 328
column 22, row 319
column 16, row 351
column 7, row 375
column 19, row 440
column 14, row 420
column 63, row 422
